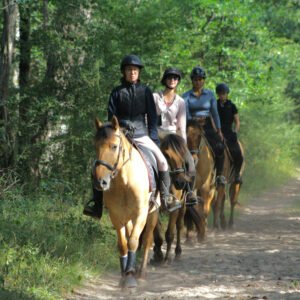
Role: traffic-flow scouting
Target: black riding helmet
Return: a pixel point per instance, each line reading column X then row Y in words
column 198, row 72
column 222, row 88
column 168, row 72
column 131, row 60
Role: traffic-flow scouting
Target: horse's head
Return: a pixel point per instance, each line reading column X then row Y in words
column 109, row 147
column 174, row 149
column 194, row 133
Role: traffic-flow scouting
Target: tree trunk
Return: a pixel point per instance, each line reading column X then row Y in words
column 6, row 55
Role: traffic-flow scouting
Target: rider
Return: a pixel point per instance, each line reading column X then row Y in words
column 170, row 108
column 201, row 104
column 228, row 115
column 133, row 104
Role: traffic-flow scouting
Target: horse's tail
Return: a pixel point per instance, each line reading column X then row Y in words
column 191, row 217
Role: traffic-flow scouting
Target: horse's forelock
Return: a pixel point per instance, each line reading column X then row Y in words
column 176, row 143
column 104, row 132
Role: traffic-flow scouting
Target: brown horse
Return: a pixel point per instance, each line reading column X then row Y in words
column 205, row 178
column 174, row 148
column 121, row 173
column 234, row 190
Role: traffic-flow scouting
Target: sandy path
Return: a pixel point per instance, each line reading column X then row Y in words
column 259, row 259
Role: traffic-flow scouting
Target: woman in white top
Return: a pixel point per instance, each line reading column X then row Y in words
column 171, row 112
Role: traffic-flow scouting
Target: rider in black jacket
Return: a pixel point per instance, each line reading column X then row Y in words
column 133, row 104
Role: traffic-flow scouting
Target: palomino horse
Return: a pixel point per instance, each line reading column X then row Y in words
column 174, row 148
column 121, row 173
column 205, row 178
column 234, row 190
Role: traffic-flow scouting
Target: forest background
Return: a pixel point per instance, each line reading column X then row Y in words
column 59, row 61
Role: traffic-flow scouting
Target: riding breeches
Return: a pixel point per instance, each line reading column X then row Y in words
column 216, row 144
column 145, row 141
column 234, row 149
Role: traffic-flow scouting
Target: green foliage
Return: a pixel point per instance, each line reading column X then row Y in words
column 37, row 254
column 75, row 51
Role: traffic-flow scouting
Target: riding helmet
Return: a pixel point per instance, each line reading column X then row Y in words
column 222, row 88
column 171, row 71
column 198, row 72
column 131, row 60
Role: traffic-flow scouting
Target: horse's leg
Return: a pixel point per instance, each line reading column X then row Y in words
column 222, row 213
column 233, row 194
column 208, row 197
column 123, row 250
column 158, row 255
column 179, row 227
column 217, row 206
column 188, row 220
column 148, row 241
column 133, row 244
column 170, row 233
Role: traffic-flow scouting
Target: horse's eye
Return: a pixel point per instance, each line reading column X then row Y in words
column 114, row 147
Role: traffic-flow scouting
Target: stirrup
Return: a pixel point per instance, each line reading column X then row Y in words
column 192, row 200
column 91, row 211
column 172, row 205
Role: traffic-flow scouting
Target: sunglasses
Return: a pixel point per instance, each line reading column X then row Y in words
column 198, row 78
column 172, row 77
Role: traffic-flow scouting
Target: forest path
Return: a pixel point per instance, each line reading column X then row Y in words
column 259, row 259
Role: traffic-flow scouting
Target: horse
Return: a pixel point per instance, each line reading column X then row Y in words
column 121, row 173
column 233, row 188
column 174, row 148
column 205, row 178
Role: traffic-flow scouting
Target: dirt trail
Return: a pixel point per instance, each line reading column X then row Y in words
column 259, row 259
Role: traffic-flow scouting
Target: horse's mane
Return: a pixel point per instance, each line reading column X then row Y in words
column 193, row 123
column 176, row 143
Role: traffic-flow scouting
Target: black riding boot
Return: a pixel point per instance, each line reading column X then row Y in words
column 220, row 179
column 94, row 207
column 191, row 198
column 168, row 201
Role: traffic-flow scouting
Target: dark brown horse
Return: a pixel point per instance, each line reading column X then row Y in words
column 233, row 189
column 121, row 173
column 174, row 148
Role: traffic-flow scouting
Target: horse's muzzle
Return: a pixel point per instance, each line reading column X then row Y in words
column 102, row 184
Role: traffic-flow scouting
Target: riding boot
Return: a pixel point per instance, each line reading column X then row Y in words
column 94, row 207
column 237, row 175
column 220, row 179
column 191, row 198
column 130, row 265
column 123, row 264
column 168, row 202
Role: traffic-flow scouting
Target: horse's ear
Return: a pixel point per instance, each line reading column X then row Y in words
column 98, row 123
column 115, row 123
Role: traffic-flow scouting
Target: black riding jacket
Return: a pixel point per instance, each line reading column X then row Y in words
column 135, row 103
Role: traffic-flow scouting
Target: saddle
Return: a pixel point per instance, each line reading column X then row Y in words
column 147, row 156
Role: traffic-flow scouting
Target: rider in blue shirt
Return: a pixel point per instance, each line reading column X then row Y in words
column 201, row 103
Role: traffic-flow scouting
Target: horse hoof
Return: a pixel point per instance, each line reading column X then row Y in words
column 130, row 281
column 189, row 242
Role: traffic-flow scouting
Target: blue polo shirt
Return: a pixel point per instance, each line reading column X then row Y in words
column 203, row 106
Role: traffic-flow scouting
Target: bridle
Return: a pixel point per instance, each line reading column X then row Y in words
column 113, row 168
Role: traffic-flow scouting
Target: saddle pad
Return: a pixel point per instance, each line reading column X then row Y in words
column 151, row 165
